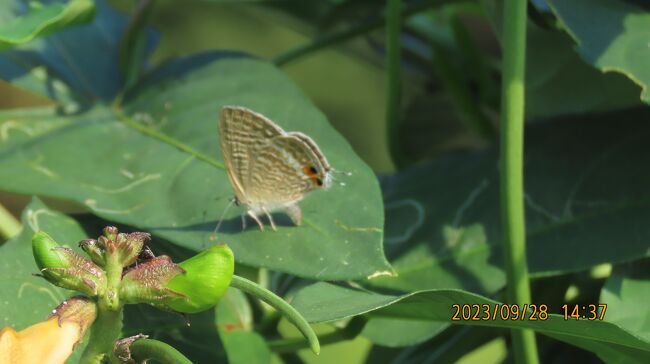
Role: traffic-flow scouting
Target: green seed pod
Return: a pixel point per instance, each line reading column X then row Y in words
column 206, row 278
column 65, row 268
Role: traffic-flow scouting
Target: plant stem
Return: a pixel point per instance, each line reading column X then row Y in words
column 147, row 349
column 355, row 31
column 9, row 225
column 394, row 79
column 279, row 304
column 512, row 187
column 106, row 329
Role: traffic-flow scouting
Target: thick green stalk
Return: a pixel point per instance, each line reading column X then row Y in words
column 512, row 176
column 279, row 304
column 394, row 79
column 9, row 225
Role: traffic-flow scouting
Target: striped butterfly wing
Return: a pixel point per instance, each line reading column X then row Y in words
column 242, row 133
column 285, row 170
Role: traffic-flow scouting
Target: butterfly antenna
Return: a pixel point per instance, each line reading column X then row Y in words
column 213, row 236
column 333, row 175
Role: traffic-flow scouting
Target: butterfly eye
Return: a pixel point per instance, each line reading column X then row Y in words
column 313, row 170
column 319, row 182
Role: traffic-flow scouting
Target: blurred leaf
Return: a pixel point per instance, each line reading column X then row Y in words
column 610, row 34
column 396, row 332
column 75, row 66
column 137, row 42
column 235, row 324
column 156, row 168
column 587, row 203
column 559, row 82
column 24, row 298
column 326, row 302
column 44, row 20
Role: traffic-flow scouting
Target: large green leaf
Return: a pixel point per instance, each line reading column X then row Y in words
column 610, row 34
column 24, row 298
column 235, row 323
column 327, row 302
column 587, row 202
column 157, row 166
column 45, row 19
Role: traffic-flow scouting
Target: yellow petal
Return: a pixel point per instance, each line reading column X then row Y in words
column 43, row 343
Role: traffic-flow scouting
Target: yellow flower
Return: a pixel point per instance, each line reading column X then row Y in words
column 50, row 341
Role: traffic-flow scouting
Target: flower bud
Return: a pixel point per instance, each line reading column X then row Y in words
column 65, row 268
column 206, row 278
column 145, row 283
column 110, row 232
column 130, row 245
column 79, row 310
column 91, row 248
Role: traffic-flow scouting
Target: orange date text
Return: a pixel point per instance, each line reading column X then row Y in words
column 499, row 311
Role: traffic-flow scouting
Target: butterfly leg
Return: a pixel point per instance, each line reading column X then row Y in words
column 270, row 218
column 257, row 220
column 243, row 222
column 294, row 213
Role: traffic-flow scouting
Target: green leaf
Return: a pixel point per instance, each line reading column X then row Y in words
column 157, row 167
column 559, row 82
column 44, row 20
column 24, row 298
column 75, row 67
column 619, row 42
column 235, row 325
column 396, row 332
column 322, row 302
column 585, row 195
column 627, row 301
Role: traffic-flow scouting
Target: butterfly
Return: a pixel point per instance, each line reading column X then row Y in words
column 269, row 168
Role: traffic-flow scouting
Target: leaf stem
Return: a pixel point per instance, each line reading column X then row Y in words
column 148, row 349
column 354, row 31
column 394, row 79
column 281, row 305
column 512, row 176
column 9, row 225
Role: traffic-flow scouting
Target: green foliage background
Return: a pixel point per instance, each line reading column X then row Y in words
column 109, row 114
